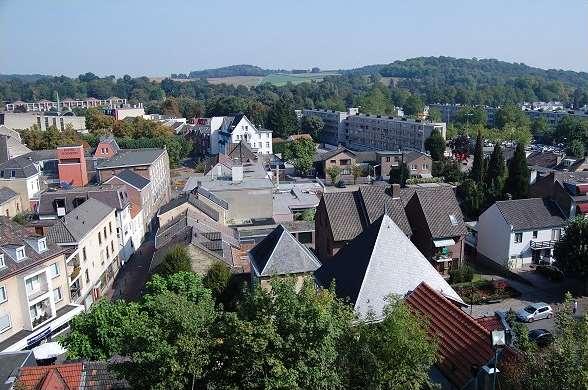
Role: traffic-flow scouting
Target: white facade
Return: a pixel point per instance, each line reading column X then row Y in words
column 499, row 242
column 25, row 120
column 259, row 140
column 137, row 230
column 46, row 105
column 124, row 233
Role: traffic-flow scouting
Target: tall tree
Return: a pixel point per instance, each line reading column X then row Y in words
column 282, row 119
column 435, row 115
column 312, row 125
column 176, row 260
column 333, row 172
column 300, row 153
column 496, row 173
column 511, row 115
column 571, row 252
column 399, row 174
column 435, row 145
column 517, row 183
column 170, row 107
column 413, row 105
column 477, row 172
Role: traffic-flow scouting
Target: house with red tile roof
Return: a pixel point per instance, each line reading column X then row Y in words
column 464, row 345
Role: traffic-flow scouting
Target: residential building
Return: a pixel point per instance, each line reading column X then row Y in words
column 22, row 176
column 35, row 303
column 280, row 255
column 47, row 105
column 10, row 202
column 555, row 116
column 438, row 228
column 252, row 234
column 216, row 134
column 196, row 202
column 419, row 164
column 292, row 201
column 152, row 164
column 464, row 350
column 377, row 132
column 26, row 120
column 11, row 145
column 569, row 190
column 69, row 376
column 342, row 158
column 333, row 129
column 107, row 147
column 125, row 111
column 515, row 233
column 248, row 192
column 88, row 233
column 379, row 262
column 342, row 216
column 56, row 204
column 449, row 112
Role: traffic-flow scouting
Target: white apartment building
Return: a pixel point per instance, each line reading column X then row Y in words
column 23, row 176
column 379, row 132
column 514, row 233
column 332, row 132
column 35, row 302
column 46, row 105
column 221, row 131
column 26, row 120
column 89, row 234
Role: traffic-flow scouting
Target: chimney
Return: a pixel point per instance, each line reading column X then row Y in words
column 395, row 190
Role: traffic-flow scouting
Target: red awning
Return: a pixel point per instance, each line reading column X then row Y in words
column 582, row 188
column 583, row 208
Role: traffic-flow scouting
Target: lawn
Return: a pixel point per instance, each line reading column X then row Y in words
column 280, row 79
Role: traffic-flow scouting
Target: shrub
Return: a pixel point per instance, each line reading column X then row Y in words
column 463, row 274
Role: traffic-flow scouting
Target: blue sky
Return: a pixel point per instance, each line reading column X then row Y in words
column 160, row 37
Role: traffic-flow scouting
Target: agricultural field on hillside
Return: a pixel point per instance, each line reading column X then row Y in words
column 248, row 81
column 280, row 79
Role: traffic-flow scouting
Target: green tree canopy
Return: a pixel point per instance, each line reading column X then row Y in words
column 471, row 116
column 399, row 174
column 282, row 119
column 512, row 115
column 333, row 172
column 477, row 171
column 413, row 105
column 571, row 252
column 376, row 101
column 312, row 125
column 496, row 174
column 435, row 115
column 435, row 145
column 300, row 153
column 517, row 182
column 176, row 260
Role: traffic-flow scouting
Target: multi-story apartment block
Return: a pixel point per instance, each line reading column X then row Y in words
column 35, row 302
column 88, row 233
column 26, row 120
column 46, row 105
column 151, row 164
column 23, row 176
column 216, row 134
column 333, row 121
column 373, row 132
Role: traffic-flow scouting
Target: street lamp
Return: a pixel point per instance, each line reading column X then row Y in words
column 373, row 167
column 498, row 342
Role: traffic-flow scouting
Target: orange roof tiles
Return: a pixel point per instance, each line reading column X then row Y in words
column 462, row 342
column 59, row 377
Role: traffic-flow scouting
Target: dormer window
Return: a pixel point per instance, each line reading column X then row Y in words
column 42, row 244
column 20, row 253
column 2, row 261
column 453, row 219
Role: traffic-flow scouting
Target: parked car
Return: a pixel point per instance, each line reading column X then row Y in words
column 551, row 272
column 340, row 184
column 534, row 312
column 541, row 337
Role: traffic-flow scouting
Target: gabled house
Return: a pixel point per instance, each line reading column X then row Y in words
column 342, row 158
column 228, row 130
column 514, row 233
column 10, row 202
column 438, row 227
column 419, row 164
column 23, row 176
column 379, row 262
column 463, row 345
column 69, row 376
column 341, row 216
column 569, row 190
column 107, row 147
column 279, row 254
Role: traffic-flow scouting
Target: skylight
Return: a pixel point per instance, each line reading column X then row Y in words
column 453, row 219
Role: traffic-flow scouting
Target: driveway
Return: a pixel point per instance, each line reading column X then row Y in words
column 543, row 290
column 134, row 274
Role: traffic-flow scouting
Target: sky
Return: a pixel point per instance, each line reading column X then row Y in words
column 159, row 37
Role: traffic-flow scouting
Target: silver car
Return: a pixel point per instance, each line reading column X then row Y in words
column 534, row 312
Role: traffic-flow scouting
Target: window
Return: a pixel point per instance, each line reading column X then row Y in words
column 107, row 254
column 99, row 238
column 2, row 262
column 3, row 297
column 518, row 237
column 84, row 255
column 5, row 322
column 54, row 270
column 333, row 162
column 57, row 294
column 20, row 253
column 555, row 234
column 13, row 173
column 105, row 232
column 453, row 220
column 535, row 233
column 33, row 284
column 425, row 166
column 110, row 227
column 42, row 244
column 267, row 144
column 112, row 246
column 87, row 277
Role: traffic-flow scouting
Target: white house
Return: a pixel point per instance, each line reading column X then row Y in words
column 514, row 233
column 234, row 129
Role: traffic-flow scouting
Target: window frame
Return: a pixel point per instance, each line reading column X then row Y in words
column 4, row 295
column 9, row 323
column 518, row 238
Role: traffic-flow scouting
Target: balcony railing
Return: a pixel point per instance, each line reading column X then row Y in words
column 43, row 289
column 538, row 245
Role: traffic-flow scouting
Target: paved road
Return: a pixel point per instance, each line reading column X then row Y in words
column 132, row 277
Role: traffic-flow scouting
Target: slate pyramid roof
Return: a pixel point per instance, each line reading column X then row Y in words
column 279, row 253
column 379, row 262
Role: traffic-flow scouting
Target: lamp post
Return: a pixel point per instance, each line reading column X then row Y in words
column 498, row 341
column 373, row 167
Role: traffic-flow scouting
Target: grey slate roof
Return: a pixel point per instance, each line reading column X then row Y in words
column 79, row 222
column 351, row 212
column 527, row 214
column 333, row 153
column 131, row 157
column 6, row 194
column 194, row 201
column 114, row 196
column 22, row 167
column 133, row 179
column 437, row 205
column 241, row 152
column 379, row 262
column 279, row 253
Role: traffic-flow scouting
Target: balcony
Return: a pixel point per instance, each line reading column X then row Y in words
column 75, row 291
column 539, row 245
column 40, row 313
column 36, row 286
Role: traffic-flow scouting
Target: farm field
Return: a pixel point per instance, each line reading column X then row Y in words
column 280, row 79
column 248, row 81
